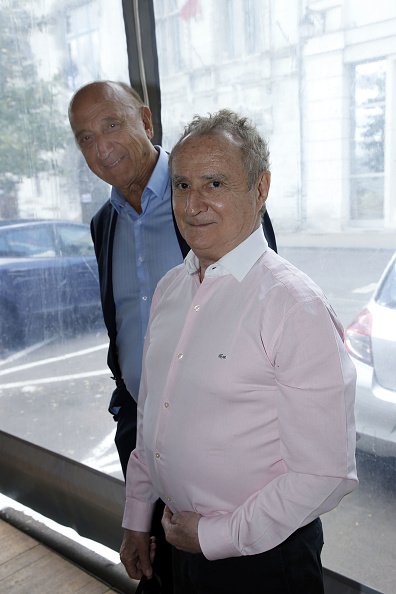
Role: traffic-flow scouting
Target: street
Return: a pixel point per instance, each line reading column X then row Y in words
column 56, row 394
column 347, row 276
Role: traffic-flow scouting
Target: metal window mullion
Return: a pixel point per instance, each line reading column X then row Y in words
column 141, row 42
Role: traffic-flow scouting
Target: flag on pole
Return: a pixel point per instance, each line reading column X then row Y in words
column 189, row 9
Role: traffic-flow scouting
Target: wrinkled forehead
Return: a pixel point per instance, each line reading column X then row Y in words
column 216, row 138
column 101, row 97
column 216, row 144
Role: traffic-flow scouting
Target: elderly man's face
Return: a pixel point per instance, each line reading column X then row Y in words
column 113, row 136
column 214, row 208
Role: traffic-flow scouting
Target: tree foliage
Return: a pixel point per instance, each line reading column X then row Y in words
column 32, row 128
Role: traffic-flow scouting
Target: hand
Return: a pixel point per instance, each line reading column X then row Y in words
column 137, row 553
column 181, row 530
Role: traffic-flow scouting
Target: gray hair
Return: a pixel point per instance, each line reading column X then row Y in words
column 254, row 148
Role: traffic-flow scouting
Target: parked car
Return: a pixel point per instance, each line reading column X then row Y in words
column 371, row 340
column 48, row 279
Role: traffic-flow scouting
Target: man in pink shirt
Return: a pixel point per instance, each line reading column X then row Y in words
column 245, row 411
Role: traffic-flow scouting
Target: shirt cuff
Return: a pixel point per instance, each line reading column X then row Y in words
column 214, row 538
column 137, row 515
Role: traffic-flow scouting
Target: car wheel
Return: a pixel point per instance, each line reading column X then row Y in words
column 11, row 333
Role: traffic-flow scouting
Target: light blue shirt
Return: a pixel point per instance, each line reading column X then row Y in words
column 145, row 248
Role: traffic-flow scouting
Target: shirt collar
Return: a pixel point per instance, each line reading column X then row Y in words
column 237, row 262
column 159, row 180
column 157, row 184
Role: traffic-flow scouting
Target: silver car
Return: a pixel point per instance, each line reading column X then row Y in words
column 371, row 341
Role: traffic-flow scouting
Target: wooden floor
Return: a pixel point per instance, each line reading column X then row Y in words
column 28, row 567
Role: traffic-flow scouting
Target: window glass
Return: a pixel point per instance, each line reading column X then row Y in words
column 387, row 291
column 54, row 381
column 319, row 80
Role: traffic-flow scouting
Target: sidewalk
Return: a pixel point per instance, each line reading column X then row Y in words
column 384, row 240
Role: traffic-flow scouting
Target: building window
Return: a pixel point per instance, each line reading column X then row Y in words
column 227, row 10
column 254, row 13
column 82, row 24
column 168, row 34
column 367, row 141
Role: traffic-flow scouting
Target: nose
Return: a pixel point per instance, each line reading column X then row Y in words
column 194, row 203
column 103, row 148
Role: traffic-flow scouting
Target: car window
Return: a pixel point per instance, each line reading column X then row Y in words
column 27, row 242
column 75, row 240
column 387, row 292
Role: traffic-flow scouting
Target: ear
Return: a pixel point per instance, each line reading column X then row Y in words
column 147, row 121
column 263, row 187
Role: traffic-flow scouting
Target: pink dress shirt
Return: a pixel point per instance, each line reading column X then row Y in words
column 246, row 403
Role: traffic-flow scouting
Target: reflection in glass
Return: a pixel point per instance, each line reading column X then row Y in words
column 278, row 63
column 54, row 381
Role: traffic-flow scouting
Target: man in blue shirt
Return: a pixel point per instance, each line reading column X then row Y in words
column 135, row 236
column 134, row 232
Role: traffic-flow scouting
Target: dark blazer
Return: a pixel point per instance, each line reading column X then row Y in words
column 103, row 227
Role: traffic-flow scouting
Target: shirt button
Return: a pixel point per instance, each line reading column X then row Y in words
column 140, row 259
column 180, row 356
column 166, row 404
column 196, row 307
column 168, row 498
column 157, row 455
column 144, row 297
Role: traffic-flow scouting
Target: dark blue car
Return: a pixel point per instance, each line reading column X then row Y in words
column 48, row 279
